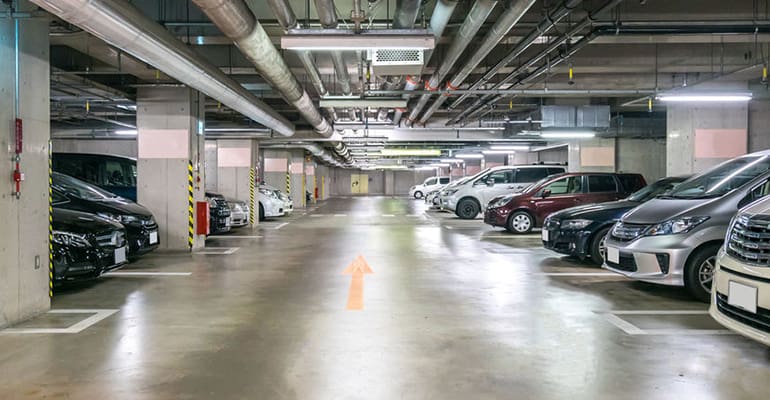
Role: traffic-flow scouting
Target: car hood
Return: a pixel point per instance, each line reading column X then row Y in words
column 80, row 222
column 591, row 211
column 659, row 210
column 120, row 205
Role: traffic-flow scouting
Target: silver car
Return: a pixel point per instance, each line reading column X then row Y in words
column 674, row 239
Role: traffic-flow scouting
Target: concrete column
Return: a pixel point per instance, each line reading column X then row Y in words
column 24, row 245
column 297, row 170
column 390, row 183
column 234, row 161
column 170, row 124
column 311, row 182
column 594, row 155
column 275, row 166
column 759, row 121
column 644, row 156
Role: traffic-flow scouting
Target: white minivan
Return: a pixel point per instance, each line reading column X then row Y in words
column 470, row 198
column 430, row 184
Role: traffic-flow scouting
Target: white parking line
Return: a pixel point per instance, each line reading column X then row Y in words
column 340, row 215
column 99, row 314
column 631, row 329
column 235, row 237
column 317, row 215
column 147, row 273
column 580, row 274
column 218, row 250
column 279, row 226
column 388, row 215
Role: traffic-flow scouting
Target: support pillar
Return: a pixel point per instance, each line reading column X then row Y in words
column 171, row 146
column 24, row 94
column 297, row 177
column 592, row 155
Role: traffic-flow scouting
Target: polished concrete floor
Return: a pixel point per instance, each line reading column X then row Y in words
column 452, row 310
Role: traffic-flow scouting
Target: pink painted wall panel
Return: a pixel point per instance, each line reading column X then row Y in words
column 597, row 156
column 234, row 157
column 720, row 143
column 275, row 165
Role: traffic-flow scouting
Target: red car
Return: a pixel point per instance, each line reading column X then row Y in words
column 520, row 212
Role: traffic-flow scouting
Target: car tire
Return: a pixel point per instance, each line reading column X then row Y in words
column 699, row 272
column 520, row 222
column 468, row 209
column 598, row 249
column 261, row 212
column 418, row 195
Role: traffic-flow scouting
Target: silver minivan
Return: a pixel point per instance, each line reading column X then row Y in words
column 674, row 239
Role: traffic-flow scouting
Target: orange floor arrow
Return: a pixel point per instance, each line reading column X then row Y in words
column 357, row 269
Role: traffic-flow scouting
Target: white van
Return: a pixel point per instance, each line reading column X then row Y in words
column 470, row 198
column 430, row 184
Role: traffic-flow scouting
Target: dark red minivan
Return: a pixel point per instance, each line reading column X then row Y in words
column 520, row 212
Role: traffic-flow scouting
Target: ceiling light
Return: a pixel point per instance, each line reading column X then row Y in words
column 126, row 132
column 469, row 155
column 410, row 152
column 440, row 165
column 498, row 151
column 391, row 167
column 424, row 168
column 704, row 97
column 568, row 135
column 515, row 148
column 451, row 160
column 319, row 40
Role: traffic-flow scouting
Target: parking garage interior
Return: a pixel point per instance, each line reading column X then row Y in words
column 376, row 199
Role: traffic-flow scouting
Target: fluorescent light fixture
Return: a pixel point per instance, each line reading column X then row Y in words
column 391, row 167
column 361, row 103
column 568, row 135
column 470, row 155
column 126, row 132
column 437, row 165
column 514, row 148
column 332, row 39
column 498, row 151
column 451, row 160
column 410, row 152
column 695, row 97
column 425, row 168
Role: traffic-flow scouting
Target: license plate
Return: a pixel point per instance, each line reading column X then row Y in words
column 153, row 237
column 742, row 296
column 120, row 255
column 545, row 235
column 227, row 221
column 613, row 255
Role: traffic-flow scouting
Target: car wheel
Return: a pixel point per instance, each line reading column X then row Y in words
column 418, row 194
column 520, row 222
column 598, row 250
column 261, row 212
column 699, row 272
column 467, row 209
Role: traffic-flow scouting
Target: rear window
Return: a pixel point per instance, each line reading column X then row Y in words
column 601, row 183
column 444, row 180
column 631, row 183
column 525, row 175
column 555, row 170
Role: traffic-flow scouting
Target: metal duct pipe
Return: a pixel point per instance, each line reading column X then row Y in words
column 236, row 21
column 438, row 23
column 327, row 15
column 544, row 26
column 516, row 9
column 341, row 68
column 313, row 148
column 123, row 26
column 476, row 17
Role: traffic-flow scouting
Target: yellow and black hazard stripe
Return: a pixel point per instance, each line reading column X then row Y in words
column 288, row 183
column 304, row 191
column 251, row 196
column 190, row 204
column 50, row 223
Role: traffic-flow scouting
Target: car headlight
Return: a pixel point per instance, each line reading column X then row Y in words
column 71, row 239
column 123, row 219
column 675, row 226
column 575, row 224
column 500, row 202
column 451, row 192
column 213, row 203
column 266, row 192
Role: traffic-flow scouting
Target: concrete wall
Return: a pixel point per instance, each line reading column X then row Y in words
column 402, row 181
column 645, row 156
column 592, row 155
column 233, row 181
column 759, row 125
column 24, row 221
column 118, row 147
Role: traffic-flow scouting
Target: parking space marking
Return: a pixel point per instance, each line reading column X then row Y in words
column 235, row 237
column 340, row 215
column 147, row 273
column 279, row 226
column 388, row 215
column 580, row 274
column 317, row 215
column 98, row 315
column 614, row 318
column 218, row 250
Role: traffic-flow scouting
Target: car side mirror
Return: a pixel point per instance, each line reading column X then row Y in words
column 491, row 182
column 545, row 193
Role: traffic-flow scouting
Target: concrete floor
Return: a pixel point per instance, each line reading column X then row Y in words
column 453, row 310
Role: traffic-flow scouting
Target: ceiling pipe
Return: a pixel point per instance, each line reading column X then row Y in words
column 315, row 149
column 442, row 12
column 473, row 22
column 515, row 10
column 327, row 15
column 122, row 25
column 542, row 28
column 236, row 21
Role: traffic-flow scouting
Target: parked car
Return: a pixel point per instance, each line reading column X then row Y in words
column 520, row 212
column 219, row 213
column 140, row 225
column 580, row 231
column 83, row 245
column 288, row 203
column 470, row 198
column 114, row 174
column 444, row 193
column 741, row 288
column 434, row 182
column 674, row 239
column 270, row 203
column 239, row 213
column 432, row 199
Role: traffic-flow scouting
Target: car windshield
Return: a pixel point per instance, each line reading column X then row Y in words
column 538, row 184
column 80, row 189
column 721, row 179
column 656, row 189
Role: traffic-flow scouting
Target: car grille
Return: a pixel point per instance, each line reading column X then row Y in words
column 551, row 223
column 111, row 239
column 624, row 232
column 749, row 240
column 760, row 320
column 627, row 263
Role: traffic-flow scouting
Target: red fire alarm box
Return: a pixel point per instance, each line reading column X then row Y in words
column 202, row 216
column 19, row 136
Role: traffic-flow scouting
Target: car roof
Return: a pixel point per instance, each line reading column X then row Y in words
column 66, row 153
column 499, row 167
